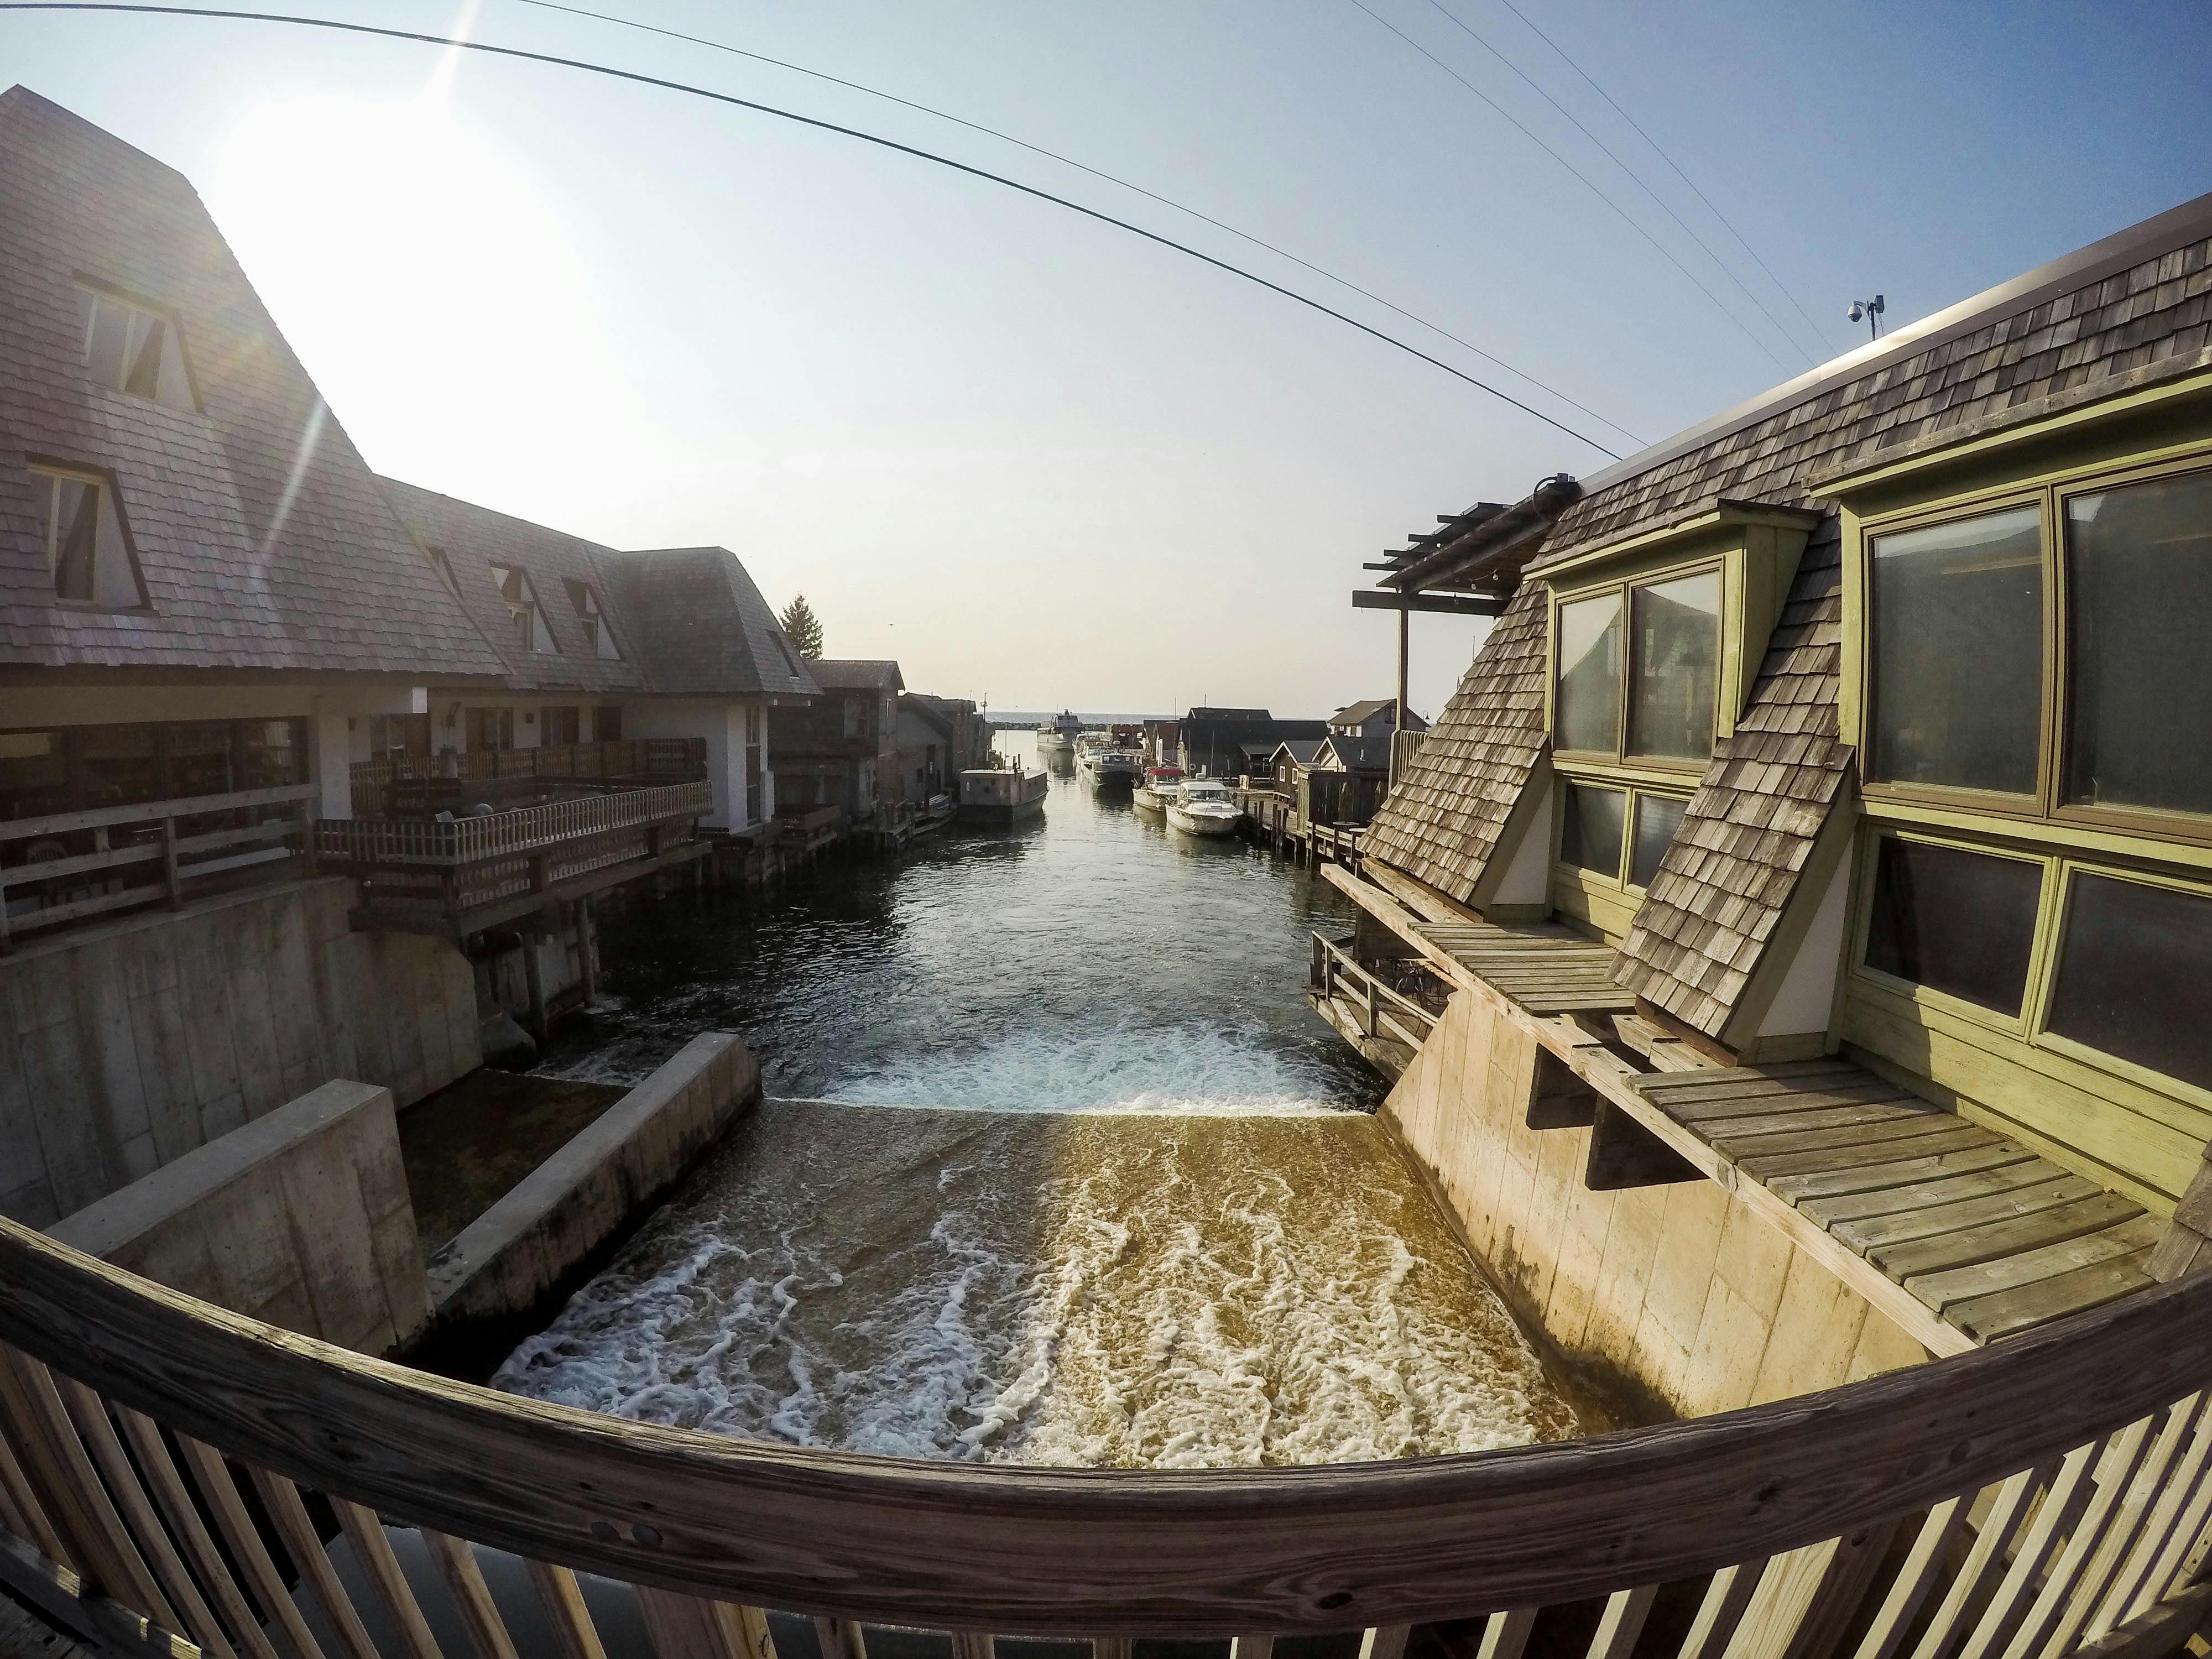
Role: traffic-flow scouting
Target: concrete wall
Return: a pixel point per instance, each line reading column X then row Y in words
column 124, row 1047
column 589, row 1191
column 300, row 1218
column 1677, row 1297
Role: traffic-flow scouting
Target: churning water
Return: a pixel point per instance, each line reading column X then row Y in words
column 1077, row 1179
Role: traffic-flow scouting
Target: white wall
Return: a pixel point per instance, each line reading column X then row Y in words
column 1809, row 988
column 721, row 722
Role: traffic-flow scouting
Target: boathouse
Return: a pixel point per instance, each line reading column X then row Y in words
column 1373, row 717
column 1818, row 854
column 842, row 750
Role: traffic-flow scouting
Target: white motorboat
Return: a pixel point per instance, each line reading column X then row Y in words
column 1114, row 768
column 1160, row 786
column 1051, row 740
column 1203, row 807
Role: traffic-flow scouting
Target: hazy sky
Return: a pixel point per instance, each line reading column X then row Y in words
column 1030, row 456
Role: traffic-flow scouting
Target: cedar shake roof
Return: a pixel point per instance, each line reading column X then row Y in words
column 474, row 539
column 1443, row 821
column 702, row 626
column 263, row 538
column 856, row 674
column 1746, row 834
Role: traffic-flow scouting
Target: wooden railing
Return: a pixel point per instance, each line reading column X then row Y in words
column 390, row 782
column 86, row 863
column 358, row 842
column 1384, row 1011
column 166, row 1465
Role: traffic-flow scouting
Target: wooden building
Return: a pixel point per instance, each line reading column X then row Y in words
column 1826, row 829
column 1373, row 717
column 842, row 750
column 1223, row 743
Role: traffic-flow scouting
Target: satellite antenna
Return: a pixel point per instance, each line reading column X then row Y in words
column 1870, row 311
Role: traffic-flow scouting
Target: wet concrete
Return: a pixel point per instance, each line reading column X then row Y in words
column 470, row 1144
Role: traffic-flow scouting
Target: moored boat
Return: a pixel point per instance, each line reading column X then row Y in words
column 1114, row 769
column 1202, row 807
column 1000, row 795
column 1160, row 784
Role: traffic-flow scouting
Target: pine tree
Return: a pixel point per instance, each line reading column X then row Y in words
column 805, row 628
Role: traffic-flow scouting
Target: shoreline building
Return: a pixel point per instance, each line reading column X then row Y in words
column 1818, row 851
column 842, row 750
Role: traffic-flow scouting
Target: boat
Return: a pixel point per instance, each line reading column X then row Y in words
column 1115, row 767
column 1161, row 785
column 1001, row 795
column 1202, row 807
column 1053, row 741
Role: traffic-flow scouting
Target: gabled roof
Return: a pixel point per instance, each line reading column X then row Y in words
column 1300, row 750
column 701, row 625
column 928, row 710
column 856, row 674
column 263, row 537
column 473, row 539
column 1355, row 753
column 1359, row 713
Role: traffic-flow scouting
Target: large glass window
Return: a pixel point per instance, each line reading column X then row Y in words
column 2135, row 976
column 1588, row 714
column 1675, row 668
column 2139, row 627
column 1955, row 922
column 87, row 553
column 130, row 348
column 1590, row 836
column 1957, row 670
column 1657, row 818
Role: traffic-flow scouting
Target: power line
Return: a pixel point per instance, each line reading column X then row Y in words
column 1779, row 287
column 819, row 124
column 1780, row 327
column 1597, row 190
column 1081, row 167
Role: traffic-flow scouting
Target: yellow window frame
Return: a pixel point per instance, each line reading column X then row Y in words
column 1618, row 758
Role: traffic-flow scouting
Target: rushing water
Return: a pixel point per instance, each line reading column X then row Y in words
column 1095, row 1188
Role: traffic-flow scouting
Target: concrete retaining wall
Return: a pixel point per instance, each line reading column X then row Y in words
column 124, row 1047
column 580, row 1198
column 1677, row 1297
column 301, row 1217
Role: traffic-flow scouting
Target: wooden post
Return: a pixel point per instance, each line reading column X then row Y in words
column 1405, row 640
column 533, row 980
column 586, row 957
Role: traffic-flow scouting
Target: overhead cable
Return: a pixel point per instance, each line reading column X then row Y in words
column 1081, row 167
column 1595, row 189
column 586, row 66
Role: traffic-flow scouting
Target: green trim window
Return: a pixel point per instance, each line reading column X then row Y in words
column 1957, row 922
column 2133, row 977
column 1617, row 835
column 2044, row 656
column 1638, row 671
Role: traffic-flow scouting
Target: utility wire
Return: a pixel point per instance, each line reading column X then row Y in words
column 1778, row 285
column 1595, row 189
column 1780, row 327
column 1081, row 167
column 821, row 125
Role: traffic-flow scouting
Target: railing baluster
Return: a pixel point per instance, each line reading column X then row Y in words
column 236, row 1524
column 89, row 1413
column 281, row 1499
column 2062, row 1506
column 1381, row 1642
column 1915, row 1579
column 841, row 1639
column 2180, row 1539
column 1251, row 1647
column 2129, row 1546
column 1112, row 1647
column 1726, row 1596
column 973, row 1645
column 563, row 1599
column 1986, row 1556
column 689, row 1626
column 98, row 1539
column 1622, row 1622
column 2114, row 1475
column 27, row 1515
column 364, row 1529
column 1504, row 1634
column 457, row 1564
column 1806, row 1597
column 191, row 1533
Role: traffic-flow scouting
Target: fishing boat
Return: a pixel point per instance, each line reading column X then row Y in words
column 1051, row 740
column 1002, row 795
column 1202, row 807
column 1161, row 784
column 1112, row 768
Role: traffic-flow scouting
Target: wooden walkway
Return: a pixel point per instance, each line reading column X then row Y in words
column 1546, row 968
column 1982, row 1232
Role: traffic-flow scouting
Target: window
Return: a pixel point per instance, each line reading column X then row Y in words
column 1956, row 922
column 1639, row 671
column 129, row 348
column 1590, row 836
column 2139, row 614
column 530, row 633
column 444, row 566
column 87, row 553
column 1956, row 611
column 597, row 634
column 1657, row 818
column 1588, row 701
column 2135, row 976
column 606, row 725
column 562, row 726
column 491, row 728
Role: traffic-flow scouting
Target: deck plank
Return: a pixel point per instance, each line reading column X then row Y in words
column 1923, row 1194
column 2008, row 1312
column 1872, row 1177
column 2028, row 1232
column 2060, row 1188
column 1943, row 1291
column 1962, row 1138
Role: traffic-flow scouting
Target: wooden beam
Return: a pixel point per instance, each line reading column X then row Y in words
column 1448, row 604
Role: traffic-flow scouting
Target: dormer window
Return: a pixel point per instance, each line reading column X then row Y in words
column 88, row 552
column 597, row 634
column 1639, row 671
column 528, row 620
column 443, row 565
column 133, row 348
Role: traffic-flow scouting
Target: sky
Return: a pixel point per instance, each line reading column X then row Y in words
column 1037, row 459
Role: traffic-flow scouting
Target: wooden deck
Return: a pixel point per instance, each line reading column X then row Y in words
column 1546, row 967
column 1988, row 1237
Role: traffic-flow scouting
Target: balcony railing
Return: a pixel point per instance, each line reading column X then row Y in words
column 2040, row 1500
column 68, row 866
column 424, row 783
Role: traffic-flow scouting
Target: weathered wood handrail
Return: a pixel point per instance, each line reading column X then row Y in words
column 1080, row 1553
column 499, row 835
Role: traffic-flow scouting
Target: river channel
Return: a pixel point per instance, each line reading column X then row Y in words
column 1056, row 1167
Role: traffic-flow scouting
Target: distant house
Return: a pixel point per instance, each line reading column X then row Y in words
column 937, row 739
column 1375, row 716
column 842, row 750
column 1366, row 753
column 1212, row 742
column 1292, row 759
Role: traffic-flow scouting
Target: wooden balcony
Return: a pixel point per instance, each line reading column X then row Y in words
column 453, row 877
column 175, row 1480
column 67, row 867
column 423, row 785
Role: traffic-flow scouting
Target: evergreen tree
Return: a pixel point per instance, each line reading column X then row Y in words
column 805, row 628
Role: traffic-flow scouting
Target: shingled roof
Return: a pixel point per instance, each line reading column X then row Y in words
column 856, row 674
column 471, row 539
column 262, row 537
column 702, row 626
column 1442, row 822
